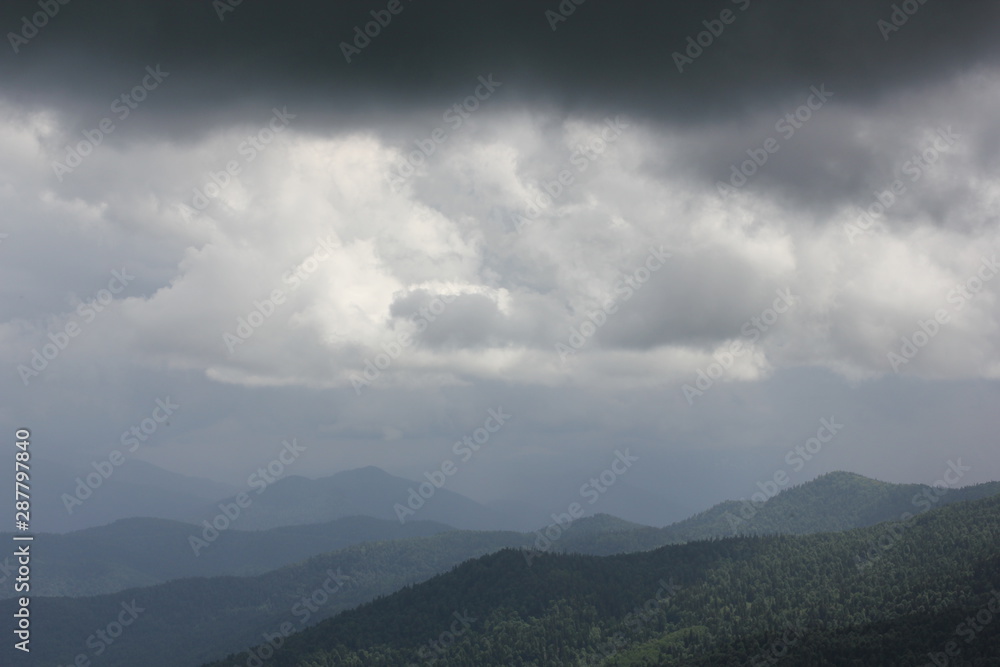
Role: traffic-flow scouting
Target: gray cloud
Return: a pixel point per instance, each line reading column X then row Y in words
column 308, row 248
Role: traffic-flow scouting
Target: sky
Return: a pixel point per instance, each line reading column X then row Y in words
column 695, row 230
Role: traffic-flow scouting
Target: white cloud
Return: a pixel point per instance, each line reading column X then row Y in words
column 449, row 231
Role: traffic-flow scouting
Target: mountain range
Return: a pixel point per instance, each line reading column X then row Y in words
column 927, row 595
column 191, row 614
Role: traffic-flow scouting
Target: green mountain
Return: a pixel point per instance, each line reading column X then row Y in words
column 931, row 585
column 143, row 552
column 189, row 621
column 831, row 502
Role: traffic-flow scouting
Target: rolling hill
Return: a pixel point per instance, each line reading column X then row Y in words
column 132, row 553
column 204, row 618
column 734, row 601
column 144, row 552
column 832, row 502
column 189, row 621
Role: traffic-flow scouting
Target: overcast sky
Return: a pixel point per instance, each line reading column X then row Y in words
column 619, row 235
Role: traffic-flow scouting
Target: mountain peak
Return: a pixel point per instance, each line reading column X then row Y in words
column 842, row 478
column 364, row 474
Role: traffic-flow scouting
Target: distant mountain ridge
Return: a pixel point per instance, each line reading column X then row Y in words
column 368, row 491
column 68, row 497
column 146, row 552
column 832, row 502
column 140, row 552
column 230, row 612
column 188, row 621
column 796, row 599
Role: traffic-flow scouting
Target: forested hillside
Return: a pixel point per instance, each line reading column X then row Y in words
column 230, row 613
column 832, row 502
column 189, row 621
column 884, row 595
column 144, row 552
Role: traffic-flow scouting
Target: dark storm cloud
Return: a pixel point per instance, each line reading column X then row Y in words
column 604, row 56
column 449, row 231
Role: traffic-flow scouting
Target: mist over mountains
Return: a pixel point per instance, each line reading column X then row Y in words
column 150, row 563
column 573, row 332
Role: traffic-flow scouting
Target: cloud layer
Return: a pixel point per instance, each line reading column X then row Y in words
column 493, row 201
